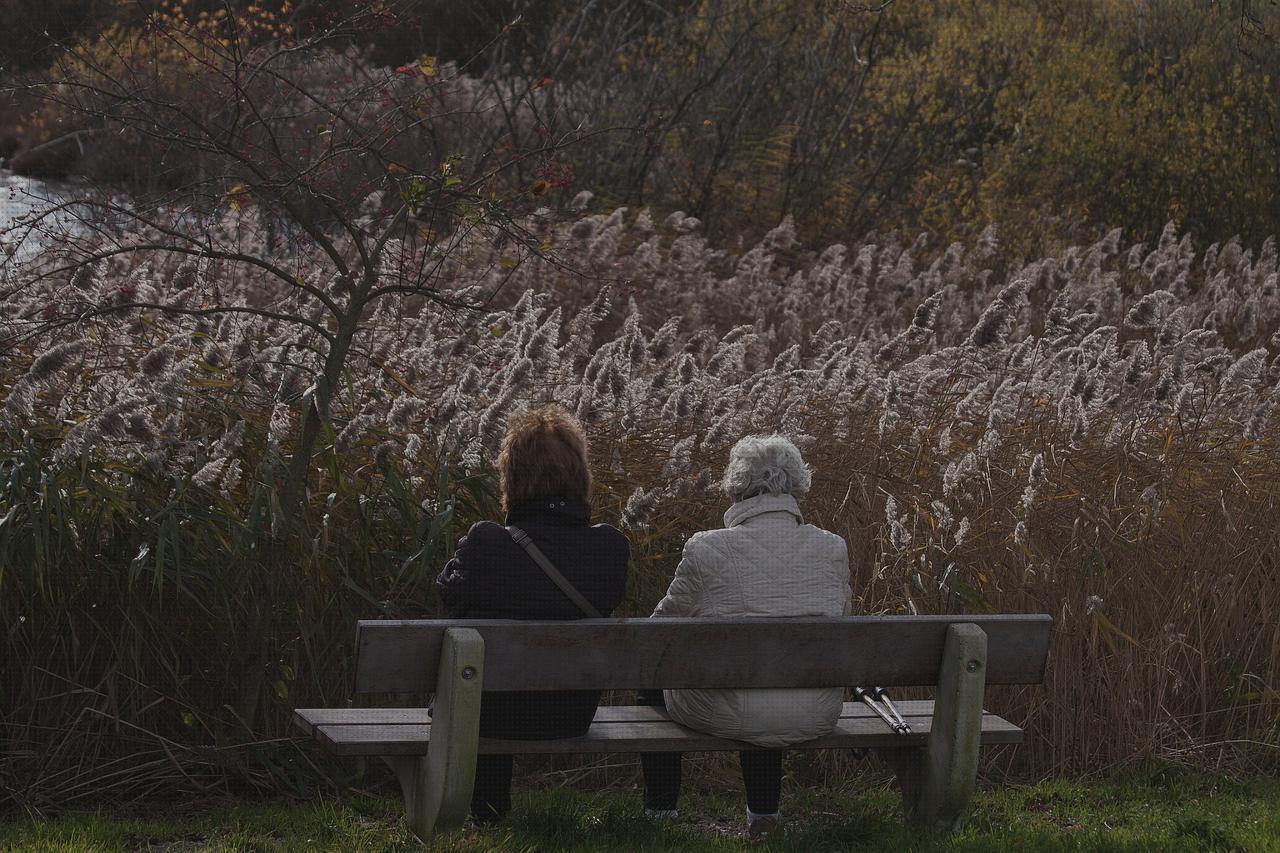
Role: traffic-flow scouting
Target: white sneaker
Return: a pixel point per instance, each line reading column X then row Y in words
column 662, row 814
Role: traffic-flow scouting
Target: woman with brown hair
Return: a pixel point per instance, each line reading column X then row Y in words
column 496, row 574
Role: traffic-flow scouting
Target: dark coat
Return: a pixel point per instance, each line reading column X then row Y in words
column 492, row 577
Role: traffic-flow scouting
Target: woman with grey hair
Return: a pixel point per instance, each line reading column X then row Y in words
column 765, row 562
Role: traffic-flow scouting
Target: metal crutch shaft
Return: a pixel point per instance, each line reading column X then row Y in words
column 903, row 725
column 867, row 699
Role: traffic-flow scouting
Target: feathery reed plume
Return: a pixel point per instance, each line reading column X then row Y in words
column 997, row 320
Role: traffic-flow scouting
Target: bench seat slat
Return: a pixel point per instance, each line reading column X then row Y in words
column 639, row 736
column 308, row 718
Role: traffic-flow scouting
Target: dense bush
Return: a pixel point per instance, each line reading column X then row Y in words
column 1051, row 119
column 946, row 117
column 192, row 106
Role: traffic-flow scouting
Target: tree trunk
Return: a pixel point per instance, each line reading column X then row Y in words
column 279, row 569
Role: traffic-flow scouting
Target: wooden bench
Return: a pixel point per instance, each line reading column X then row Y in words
column 434, row 757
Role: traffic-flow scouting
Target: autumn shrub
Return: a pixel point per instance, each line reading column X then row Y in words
column 1089, row 434
column 1050, row 119
column 1108, row 123
column 171, row 55
column 153, row 108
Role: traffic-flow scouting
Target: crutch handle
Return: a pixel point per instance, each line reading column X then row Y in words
column 868, row 698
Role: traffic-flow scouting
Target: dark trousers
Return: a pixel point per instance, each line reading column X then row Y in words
column 522, row 716
column 491, row 796
column 761, row 773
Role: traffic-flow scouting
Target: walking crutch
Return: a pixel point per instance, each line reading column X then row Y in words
column 868, row 699
column 902, row 726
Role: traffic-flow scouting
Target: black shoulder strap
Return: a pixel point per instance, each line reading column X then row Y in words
column 550, row 570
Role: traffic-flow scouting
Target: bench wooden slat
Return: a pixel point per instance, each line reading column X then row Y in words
column 400, row 656
column 631, row 713
column 640, row 736
column 308, row 718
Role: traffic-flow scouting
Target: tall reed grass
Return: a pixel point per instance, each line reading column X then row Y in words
column 1088, row 435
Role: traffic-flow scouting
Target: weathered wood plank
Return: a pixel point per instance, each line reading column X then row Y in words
column 397, row 656
column 641, row 736
column 641, row 713
column 308, row 718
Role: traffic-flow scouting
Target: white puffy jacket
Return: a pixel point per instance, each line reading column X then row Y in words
column 765, row 562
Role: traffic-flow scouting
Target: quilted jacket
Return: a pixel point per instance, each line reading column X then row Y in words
column 765, row 562
column 491, row 577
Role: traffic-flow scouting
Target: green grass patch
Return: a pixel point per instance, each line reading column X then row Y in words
column 1154, row 810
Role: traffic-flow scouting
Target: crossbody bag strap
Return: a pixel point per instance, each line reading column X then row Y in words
column 550, row 570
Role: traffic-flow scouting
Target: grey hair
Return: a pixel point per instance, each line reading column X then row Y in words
column 765, row 464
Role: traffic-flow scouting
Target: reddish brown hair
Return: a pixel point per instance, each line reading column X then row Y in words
column 544, row 454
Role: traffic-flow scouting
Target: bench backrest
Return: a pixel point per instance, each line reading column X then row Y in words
column 402, row 656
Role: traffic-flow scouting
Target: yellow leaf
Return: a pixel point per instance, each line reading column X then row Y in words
column 427, row 64
column 397, row 378
column 1108, row 632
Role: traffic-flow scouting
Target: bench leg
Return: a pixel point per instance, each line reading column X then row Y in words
column 437, row 786
column 938, row 779
column 406, row 768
